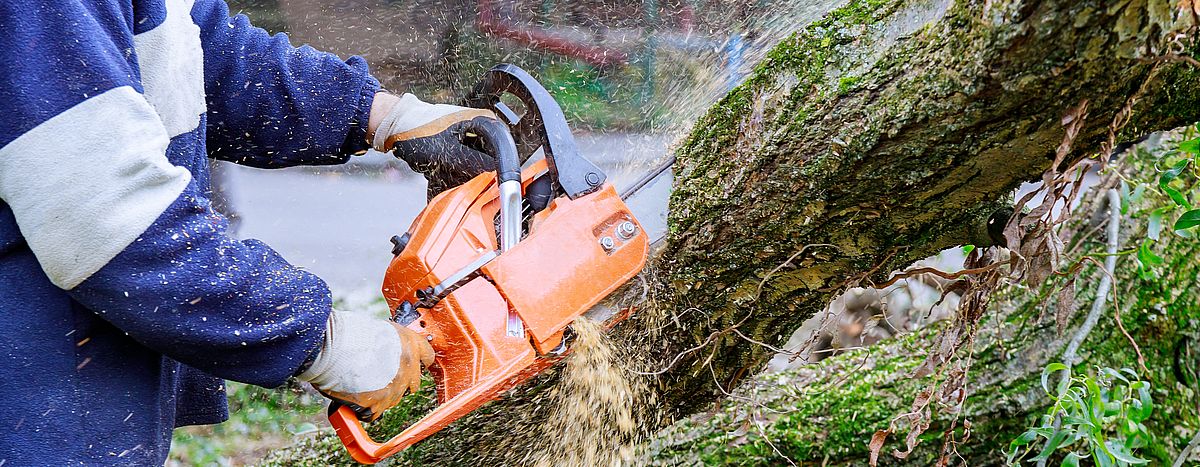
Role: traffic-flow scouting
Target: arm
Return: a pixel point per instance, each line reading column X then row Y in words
column 273, row 105
column 127, row 234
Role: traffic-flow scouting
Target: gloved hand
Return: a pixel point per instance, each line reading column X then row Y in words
column 368, row 363
column 432, row 138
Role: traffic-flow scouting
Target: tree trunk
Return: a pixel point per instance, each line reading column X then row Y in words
column 826, row 413
column 879, row 135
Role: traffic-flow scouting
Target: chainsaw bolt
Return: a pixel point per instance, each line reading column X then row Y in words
column 608, row 243
column 429, row 337
column 626, row 230
column 592, row 178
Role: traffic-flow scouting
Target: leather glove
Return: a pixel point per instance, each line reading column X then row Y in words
column 435, row 140
column 368, row 363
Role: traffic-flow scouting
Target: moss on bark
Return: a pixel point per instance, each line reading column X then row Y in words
column 827, row 412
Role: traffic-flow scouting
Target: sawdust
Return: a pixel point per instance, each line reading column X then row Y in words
column 593, row 410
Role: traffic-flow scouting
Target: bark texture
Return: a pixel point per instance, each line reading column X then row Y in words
column 878, row 135
column 827, row 412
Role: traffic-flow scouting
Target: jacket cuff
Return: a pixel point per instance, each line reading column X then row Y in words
column 356, row 137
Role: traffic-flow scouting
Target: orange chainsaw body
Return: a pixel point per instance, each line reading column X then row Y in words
column 572, row 254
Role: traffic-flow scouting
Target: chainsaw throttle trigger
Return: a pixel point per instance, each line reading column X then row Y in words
column 406, row 313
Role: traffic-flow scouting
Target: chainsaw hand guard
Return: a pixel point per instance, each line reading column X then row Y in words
column 492, row 278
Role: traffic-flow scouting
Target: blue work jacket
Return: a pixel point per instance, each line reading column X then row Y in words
column 124, row 302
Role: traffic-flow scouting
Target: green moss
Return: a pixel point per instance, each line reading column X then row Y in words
column 829, row 419
column 847, row 84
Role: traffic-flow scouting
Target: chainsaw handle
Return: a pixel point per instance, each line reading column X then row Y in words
column 368, row 451
column 496, row 141
column 350, row 430
column 542, row 126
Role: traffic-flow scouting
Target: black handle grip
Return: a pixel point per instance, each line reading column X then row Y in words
column 496, row 141
column 364, row 414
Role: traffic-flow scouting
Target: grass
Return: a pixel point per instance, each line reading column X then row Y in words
column 260, row 420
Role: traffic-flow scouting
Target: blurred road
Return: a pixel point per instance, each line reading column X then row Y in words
column 336, row 221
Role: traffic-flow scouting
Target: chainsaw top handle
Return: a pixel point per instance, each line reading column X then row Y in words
column 542, row 125
column 495, row 140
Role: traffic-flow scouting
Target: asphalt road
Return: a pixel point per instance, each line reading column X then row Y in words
column 336, row 222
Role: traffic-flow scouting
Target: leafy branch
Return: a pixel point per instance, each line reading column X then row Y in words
column 1102, row 419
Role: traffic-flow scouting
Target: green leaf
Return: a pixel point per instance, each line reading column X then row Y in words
column 1172, row 173
column 1112, row 408
column 1176, row 197
column 1051, row 368
column 1095, row 401
column 1072, row 460
column 1191, row 146
column 1122, row 454
column 1144, row 405
column 1027, row 437
column 1139, row 192
column 1154, row 225
column 1146, row 257
column 1169, row 175
column 967, row 249
column 1188, row 220
column 1051, row 445
column 1112, row 374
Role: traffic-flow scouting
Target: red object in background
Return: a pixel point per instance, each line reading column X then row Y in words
column 488, row 22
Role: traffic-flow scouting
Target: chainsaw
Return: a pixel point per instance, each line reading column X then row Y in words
column 493, row 272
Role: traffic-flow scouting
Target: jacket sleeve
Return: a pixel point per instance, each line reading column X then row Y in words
column 273, row 105
column 129, row 235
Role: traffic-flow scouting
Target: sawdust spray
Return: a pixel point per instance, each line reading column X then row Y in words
column 592, row 418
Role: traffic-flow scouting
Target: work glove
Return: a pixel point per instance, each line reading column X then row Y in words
column 368, row 363
column 435, row 140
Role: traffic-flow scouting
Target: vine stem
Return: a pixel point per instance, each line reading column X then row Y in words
column 1187, row 451
column 1070, row 355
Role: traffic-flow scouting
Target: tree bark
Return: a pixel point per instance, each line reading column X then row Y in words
column 876, row 136
column 826, row 413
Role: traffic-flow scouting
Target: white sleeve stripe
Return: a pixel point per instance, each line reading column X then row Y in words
column 86, row 183
column 171, row 62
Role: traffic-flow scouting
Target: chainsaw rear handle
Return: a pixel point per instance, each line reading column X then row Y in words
column 365, row 450
column 543, row 125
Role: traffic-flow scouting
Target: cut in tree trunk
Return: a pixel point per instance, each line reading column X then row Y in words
column 876, row 136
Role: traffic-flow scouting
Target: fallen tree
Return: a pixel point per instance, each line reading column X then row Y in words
column 827, row 412
column 876, row 136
